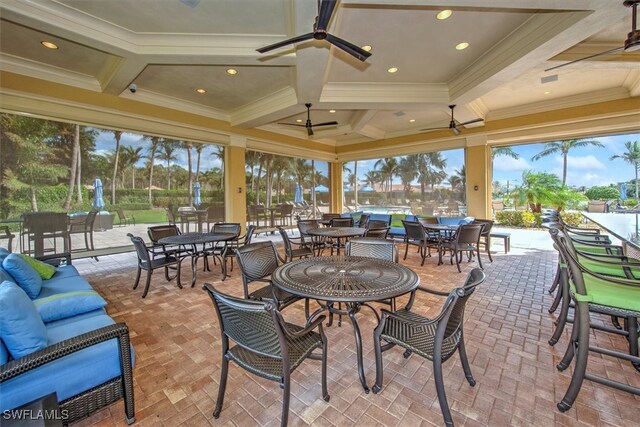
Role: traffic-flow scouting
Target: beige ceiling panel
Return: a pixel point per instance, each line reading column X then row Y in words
column 24, row 42
column 175, row 16
column 223, row 91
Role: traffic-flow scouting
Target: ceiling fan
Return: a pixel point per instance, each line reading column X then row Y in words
column 631, row 44
column 325, row 11
column 308, row 125
column 454, row 124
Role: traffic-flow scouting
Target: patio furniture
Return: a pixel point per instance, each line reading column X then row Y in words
column 329, row 216
column 157, row 249
column 341, row 222
column 497, row 206
column 285, row 214
column 302, row 251
column 256, row 213
column 485, row 235
column 606, row 295
column 353, row 281
column 453, row 209
column 466, row 239
column 147, row 263
column 335, row 234
column 257, row 263
column 318, row 244
column 434, row 339
column 38, row 226
column 377, row 223
column 124, row 219
column 415, row 235
column 597, row 206
column 171, row 217
column 506, row 239
column 364, row 221
column 214, row 214
column 266, row 345
column 6, row 234
column 377, row 233
column 227, row 248
column 84, row 225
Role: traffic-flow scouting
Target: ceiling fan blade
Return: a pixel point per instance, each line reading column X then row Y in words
column 293, row 124
column 350, row 48
column 292, row 40
column 438, row 128
column 617, row 49
column 324, row 15
column 326, row 124
column 471, row 121
column 455, row 130
column 309, row 131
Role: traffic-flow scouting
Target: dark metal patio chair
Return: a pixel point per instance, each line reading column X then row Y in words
column 377, row 223
column 415, row 235
column 377, row 233
column 485, row 235
column 228, row 248
column 266, row 345
column 317, row 244
column 363, row 222
column 124, row 219
column 341, row 222
column 595, row 292
column 257, row 262
column 6, row 234
column 302, row 251
column 145, row 262
column 158, row 232
column 434, row 339
column 84, row 225
column 466, row 239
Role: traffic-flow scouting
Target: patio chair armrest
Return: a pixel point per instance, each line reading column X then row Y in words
column 317, row 323
column 56, row 259
column 614, row 259
column 384, row 314
column 56, row 351
column 432, row 291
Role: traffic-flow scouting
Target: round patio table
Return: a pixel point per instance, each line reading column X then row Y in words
column 192, row 240
column 445, row 233
column 337, row 233
column 352, row 280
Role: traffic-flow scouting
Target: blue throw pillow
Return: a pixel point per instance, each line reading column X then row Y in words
column 68, row 304
column 3, row 254
column 4, row 276
column 25, row 275
column 21, row 328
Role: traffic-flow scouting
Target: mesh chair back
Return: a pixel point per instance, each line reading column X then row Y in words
column 364, row 221
column 329, row 216
column 251, row 229
column 46, row 222
column 452, row 315
column 286, row 210
column 250, row 324
column 341, row 222
column 286, row 242
column 215, row 214
column 121, row 215
column 469, row 234
column 171, row 217
column 377, row 223
column 487, row 226
column 414, row 230
column 373, row 248
column 377, row 233
column 227, row 227
column 257, row 260
column 307, row 224
column 158, row 232
column 428, row 221
column 141, row 248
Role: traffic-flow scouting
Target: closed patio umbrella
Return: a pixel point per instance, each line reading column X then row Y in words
column 197, row 201
column 98, row 201
column 623, row 191
column 297, row 198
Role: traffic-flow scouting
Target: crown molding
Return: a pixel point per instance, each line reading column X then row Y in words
column 632, row 83
column 560, row 103
column 281, row 149
column 41, row 71
column 385, row 93
column 478, row 107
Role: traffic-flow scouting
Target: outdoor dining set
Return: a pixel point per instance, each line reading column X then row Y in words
column 342, row 264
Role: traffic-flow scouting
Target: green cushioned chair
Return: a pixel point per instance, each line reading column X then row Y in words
column 596, row 293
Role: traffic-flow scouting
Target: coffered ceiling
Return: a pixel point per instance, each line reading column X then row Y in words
column 170, row 48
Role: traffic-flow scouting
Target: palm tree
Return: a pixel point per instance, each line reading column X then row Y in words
column 168, row 147
column 564, row 147
column 74, row 169
column 537, row 188
column 116, row 158
column 460, row 177
column 218, row 151
column 407, row 171
column 198, row 148
column 187, row 145
column 153, row 148
column 371, row 178
column 430, row 170
column 631, row 156
column 386, row 168
column 504, row 151
column 131, row 156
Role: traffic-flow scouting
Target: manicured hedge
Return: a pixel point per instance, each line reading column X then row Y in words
column 533, row 220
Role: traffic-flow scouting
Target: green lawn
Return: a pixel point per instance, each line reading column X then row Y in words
column 149, row 216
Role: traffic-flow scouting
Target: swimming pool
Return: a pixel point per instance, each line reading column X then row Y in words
column 385, row 209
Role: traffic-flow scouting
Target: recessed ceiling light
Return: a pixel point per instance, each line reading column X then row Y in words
column 200, row 90
column 412, row 120
column 232, row 71
column 461, row 46
column 332, row 111
column 444, row 14
column 366, row 48
column 392, row 70
column 49, row 45
column 299, row 120
column 547, row 92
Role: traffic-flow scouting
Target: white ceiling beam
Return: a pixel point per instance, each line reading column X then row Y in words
column 280, row 104
column 385, row 95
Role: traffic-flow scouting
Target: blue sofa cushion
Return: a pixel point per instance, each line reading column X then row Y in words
column 397, row 231
column 380, row 217
column 59, row 285
column 25, row 275
column 68, row 304
column 3, row 254
column 72, row 374
column 4, row 276
column 4, row 353
column 21, row 327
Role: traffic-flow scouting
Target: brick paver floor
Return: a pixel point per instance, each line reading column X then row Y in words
column 177, row 366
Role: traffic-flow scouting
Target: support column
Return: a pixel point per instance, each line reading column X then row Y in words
column 478, row 177
column 235, row 191
column 336, row 190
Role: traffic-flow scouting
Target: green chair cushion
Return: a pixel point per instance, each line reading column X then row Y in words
column 608, row 269
column 604, row 292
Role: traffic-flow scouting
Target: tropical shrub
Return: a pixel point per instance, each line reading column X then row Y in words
column 572, row 218
column 510, row 218
column 602, row 193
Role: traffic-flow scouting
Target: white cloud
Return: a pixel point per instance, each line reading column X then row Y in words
column 589, row 162
column 503, row 163
column 588, row 179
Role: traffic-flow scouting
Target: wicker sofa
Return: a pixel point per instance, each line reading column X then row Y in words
column 87, row 359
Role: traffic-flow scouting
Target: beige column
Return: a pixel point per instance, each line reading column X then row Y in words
column 478, row 175
column 337, row 188
column 235, row 187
